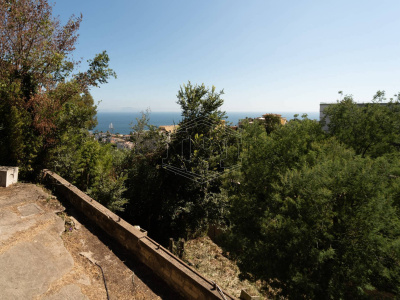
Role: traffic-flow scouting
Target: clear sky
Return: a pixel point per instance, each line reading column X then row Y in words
column 266, row 55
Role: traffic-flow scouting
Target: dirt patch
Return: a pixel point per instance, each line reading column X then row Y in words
column 207, row 257
column 126, row 278
column 117, row 275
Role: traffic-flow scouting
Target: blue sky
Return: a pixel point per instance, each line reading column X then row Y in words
column 267, row 55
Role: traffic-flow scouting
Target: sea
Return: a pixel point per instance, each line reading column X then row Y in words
column 123, row 121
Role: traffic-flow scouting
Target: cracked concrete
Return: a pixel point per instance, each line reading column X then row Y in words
column 41, row 247
column 32, row 253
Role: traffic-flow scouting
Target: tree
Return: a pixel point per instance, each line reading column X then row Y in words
column 195, row 145
column 312, row 218
column 41, row 97
column 370, row 129
column 195, row 152
column 95, row 168
column 272, row 121
column 198, row 101
column 264, row 159
column 144, row 181
column 109, row 187
column 172, row 205
column 145, row 136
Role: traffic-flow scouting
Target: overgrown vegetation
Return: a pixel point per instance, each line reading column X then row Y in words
column 46, row 108
column 171, row 205
column 317, row 214
column 307, row 213
column 208, row 258
column 314, row 214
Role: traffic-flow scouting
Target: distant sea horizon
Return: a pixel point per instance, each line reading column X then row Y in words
column 122, row 121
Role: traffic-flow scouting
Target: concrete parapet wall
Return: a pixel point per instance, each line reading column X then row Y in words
column 178, row 275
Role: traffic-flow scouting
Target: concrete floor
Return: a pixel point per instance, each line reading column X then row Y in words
column 45, row 253
column 32, row 253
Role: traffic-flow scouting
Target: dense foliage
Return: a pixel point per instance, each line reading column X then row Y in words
column 315, row 217
column 313, row 213
column 179, row 205
column 41, row 98
column 46, row 108
column 371, row 129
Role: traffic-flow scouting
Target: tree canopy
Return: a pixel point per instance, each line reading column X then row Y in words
column 170, row 185
column 314, row 217
column 315, row 214
column 370, row 128
column 41, row 96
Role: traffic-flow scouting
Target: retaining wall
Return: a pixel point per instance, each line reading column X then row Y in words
column 177, row 274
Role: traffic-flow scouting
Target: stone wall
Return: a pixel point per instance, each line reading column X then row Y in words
column 177, row 274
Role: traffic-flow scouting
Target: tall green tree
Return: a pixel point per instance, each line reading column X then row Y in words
column 196, row 145
column 42, row 97
column 272, row 121
column 184, row 204
column 312, row 218
column 196, row 151
column 200, row 101
column 371, row 129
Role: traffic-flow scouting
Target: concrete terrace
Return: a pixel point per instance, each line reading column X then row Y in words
column 47, row 252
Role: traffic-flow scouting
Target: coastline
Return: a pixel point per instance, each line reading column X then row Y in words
column 121, row 120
